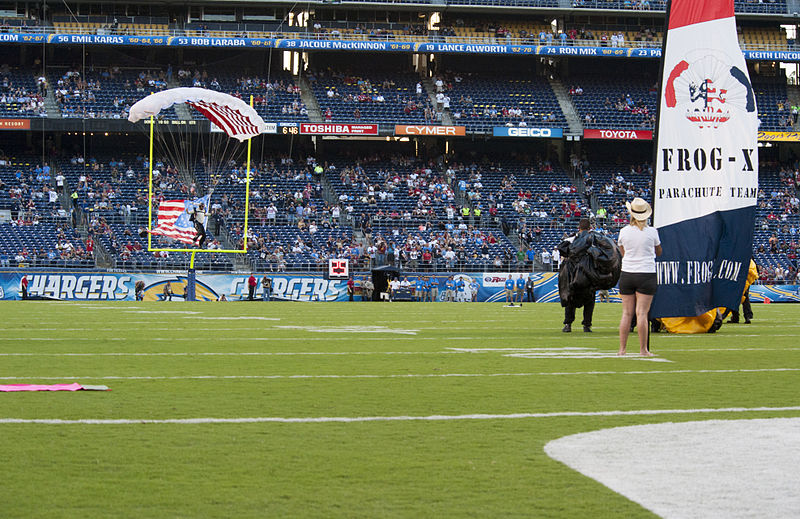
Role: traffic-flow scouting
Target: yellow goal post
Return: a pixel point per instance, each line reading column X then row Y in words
column 150, row 247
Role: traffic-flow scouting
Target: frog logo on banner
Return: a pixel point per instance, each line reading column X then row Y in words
column 708, row 88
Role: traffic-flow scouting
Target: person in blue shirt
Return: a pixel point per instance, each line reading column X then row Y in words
column 530, row 256
column 460, row 288
column 418, row 289
column 436, row 287
column 520, row 288
column 474, row 287
column 449, row 289
column 510, row 291
column 426, row 290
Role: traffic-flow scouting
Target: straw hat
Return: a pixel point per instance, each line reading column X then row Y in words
column 639, row 209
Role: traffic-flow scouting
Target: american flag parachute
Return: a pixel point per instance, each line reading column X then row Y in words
column 232, row 115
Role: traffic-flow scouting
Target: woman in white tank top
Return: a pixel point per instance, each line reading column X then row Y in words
column 639, row 244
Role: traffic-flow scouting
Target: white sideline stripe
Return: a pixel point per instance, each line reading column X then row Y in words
column 224, row 353
column 169, row 329
column 346, row 419
column 407, row 375
column 227, row 338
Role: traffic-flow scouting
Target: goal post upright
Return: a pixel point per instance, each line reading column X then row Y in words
column 247, row 189
column 150, row 190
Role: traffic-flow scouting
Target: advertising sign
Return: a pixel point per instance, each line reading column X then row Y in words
column 338, row 129
column 533, row 133
column 626, row 135
column 439, row 131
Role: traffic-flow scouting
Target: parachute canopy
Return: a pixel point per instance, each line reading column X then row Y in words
column 232, row 115
column 590, row 262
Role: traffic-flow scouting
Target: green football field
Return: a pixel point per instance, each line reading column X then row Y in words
column 350, row 409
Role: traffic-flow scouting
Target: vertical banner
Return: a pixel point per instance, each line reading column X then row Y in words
column 706, row 176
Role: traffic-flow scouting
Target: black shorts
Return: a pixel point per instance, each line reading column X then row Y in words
column 642, row 282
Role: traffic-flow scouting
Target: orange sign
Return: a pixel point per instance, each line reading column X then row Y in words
column 15, row 124
column 438, row 131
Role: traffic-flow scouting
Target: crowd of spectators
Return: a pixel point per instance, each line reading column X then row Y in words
column 17, row 95
column 415, row 215
column 31, row 194
column 106, row 93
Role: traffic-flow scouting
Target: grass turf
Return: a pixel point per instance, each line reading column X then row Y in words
column 458, row 468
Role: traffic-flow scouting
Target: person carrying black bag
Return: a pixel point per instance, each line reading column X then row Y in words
column 589, row 262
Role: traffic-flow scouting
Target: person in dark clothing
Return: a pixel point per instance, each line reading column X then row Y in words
column 747, row 310
column 167, row 292
column 569, row 317
column 266, row 284
column 587, row 300
column 199, row 217
column 529, row 286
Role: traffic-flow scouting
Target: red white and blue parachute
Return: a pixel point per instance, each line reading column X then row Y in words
column 232, row 115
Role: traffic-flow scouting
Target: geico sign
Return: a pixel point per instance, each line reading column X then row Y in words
column 530, row 132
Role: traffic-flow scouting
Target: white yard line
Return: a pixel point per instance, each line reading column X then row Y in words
column 404, row 375
column 432, row 418
column 239, row 318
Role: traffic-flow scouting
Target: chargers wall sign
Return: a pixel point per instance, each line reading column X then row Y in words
column 707, row 88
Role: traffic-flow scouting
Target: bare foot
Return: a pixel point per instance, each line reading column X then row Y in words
column 645, row 354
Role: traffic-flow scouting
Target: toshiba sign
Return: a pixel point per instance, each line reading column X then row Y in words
column 628, row 135
column 339, row 129
column 440, row 131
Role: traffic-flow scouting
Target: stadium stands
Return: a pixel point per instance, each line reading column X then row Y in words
column 42, row 245
column 423, row 200
column 774, row 108
column 370, row 97
column 275, row 98
column 106, row 93
column 482, row 101
column 129, row 250
column 20, row 94
column 626, row 103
